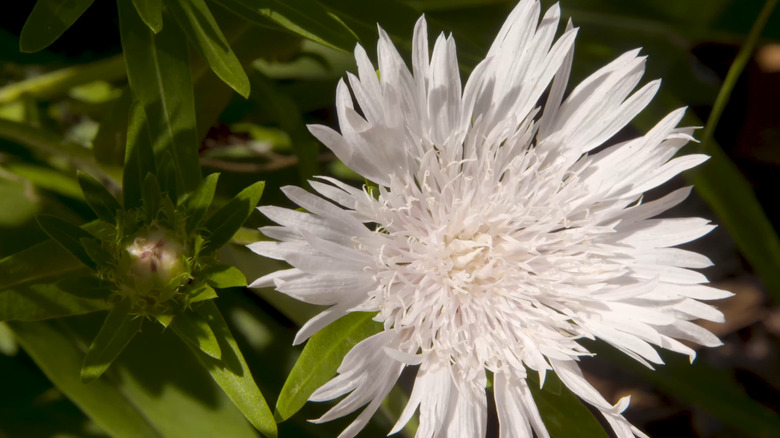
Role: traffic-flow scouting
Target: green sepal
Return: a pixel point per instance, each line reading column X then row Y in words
column 195, row 330
column 117, row 331
column 164, row 320
column 150, row 12
column 98, row 198
column 221, row 226
column 88, row 287
column 48, row 20
column 198, row 201
column 320, row 359
column 224, row 276
column 232, row 373
column 68, row 236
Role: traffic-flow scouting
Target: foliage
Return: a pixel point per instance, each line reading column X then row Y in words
column 127, row 174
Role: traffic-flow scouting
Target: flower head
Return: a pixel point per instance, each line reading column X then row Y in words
column 507, row 226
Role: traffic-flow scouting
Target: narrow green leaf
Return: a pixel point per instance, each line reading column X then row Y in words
column 99, row 199
column 221, row 226
column 45, row 301
column 57, row 83
column 48, row 20
column 232, row 373
column 224, row 276
column 88, row 287
column 320, row 359
column 202, row 293
column 196, row 331
column 67, row 235
column 152, row 197
column 158, row 70
column 118, row 329
column 150, row 12
column 24, row 267
column 165, row 320
column 54, row 351
column 302, row 17
column 203, row 31
column 198, row 202
column 95, row 250
column 110, row 141
column 139, row 160
column 562, row 412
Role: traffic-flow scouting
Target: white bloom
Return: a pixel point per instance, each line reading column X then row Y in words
column 498, row 237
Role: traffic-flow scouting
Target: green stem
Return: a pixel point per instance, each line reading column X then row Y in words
column 733, row 75
column 60, row 81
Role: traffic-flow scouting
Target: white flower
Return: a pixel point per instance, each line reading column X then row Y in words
column 498, row 237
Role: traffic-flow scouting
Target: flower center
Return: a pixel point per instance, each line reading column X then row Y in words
column 467, row 265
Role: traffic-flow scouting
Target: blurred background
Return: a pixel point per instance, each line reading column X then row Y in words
column 75, row 92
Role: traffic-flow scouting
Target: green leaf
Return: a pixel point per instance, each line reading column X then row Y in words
column 46, row 178
column 199, row 201
column 24, row 267
column 99, row 199
column 88, row 287
column 221, row 226
column 45, row 301
column 152, row 197
column 232, row 373
column 562, row 412
column 202, row 293
column 117, row 331
column 95, row 250
column 195, row 330
column 283, row 110
column 67, row 235
column 320, row 359
column 302, row 17
column 158, row 70
column 48, row 20
column 203, row 31
column 110, row 141
column 139, row 160
column 53, row 350
column 224, row 276
column 150, row 12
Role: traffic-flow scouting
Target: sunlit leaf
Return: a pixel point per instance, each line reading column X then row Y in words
column 193, row 329
column 224, row 276
column 158, row 70
column 41, row 301
column 320, row 359
column 53, row 350
column 150, row 12
column 232, row 373
column 303, row 17
column 221, row 226
column 204, row 33
column 117, row 331
column 48, row 20
column 199, row 201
